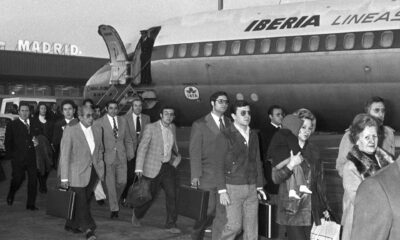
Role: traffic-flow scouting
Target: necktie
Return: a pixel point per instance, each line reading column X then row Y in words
column 115, row 129
column 27, row 126
column 138, row 127
column 221, row 124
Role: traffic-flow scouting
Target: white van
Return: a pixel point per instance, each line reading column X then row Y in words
column 7, row 105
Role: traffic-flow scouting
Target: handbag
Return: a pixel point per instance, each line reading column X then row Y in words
column 99, row 192
column 139, row 193
column 192, row 202
column 328, row 230
column 60, row 203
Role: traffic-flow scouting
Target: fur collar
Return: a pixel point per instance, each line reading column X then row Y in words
column 367, row 166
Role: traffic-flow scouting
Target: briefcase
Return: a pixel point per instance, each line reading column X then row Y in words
column 193, row 202
column 267, row 227
column 60, row 203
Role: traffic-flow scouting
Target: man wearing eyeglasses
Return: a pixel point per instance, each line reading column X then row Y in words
column 239, row 175
column 202, row 141
column 81, row 167
column 157, row 159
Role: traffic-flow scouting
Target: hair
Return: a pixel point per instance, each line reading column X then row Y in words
column 68, row 101
column 136, row 98
column 360, row 122
column 81, row 109
column 24, row 104
column 38, row 110
column 166, row 107
column 111, row 102
column 272, row 108
column 304, row 113
column 215, row 95
column 374, row 99
column 96, row 106
column 88, row 100
column 237, row 104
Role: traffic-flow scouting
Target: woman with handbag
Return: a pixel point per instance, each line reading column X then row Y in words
column 363, row 160
column 298, row 214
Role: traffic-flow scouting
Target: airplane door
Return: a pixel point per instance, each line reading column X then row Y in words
column 118, row 57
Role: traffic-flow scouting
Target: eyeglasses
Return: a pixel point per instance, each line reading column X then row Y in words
column 89, row 115
column 222, row 101
column 243, row 113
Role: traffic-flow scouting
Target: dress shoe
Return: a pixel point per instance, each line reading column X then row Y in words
column 173, row 230
column 73, row 230
column 90, row 235
column 135, row 221
column 10, row 201
column 100, row 202
column 32, row 207
column 114, row 214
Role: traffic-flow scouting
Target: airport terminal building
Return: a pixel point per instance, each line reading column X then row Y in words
column 28, row 74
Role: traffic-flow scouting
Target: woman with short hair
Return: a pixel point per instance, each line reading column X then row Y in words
column 363, row 160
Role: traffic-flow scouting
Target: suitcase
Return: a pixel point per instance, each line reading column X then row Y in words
column 267, row 227
column 192, row 202
column 60, row 203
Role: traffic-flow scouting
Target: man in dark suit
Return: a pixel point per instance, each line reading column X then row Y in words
column 118, row 150
column 68, row 111
column 157, row 159
column 202, row 166
column 81, row 167
column 275, row 116
column 137, row 121
column 377, row 206
column 20, row 147
column 54, row 113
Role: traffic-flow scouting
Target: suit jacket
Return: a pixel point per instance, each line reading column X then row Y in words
column 18, row 141
column 76, row 160
column 266, row 133
column 151, row 149
column 59, row 129
column 377, row 206
column 203, row 137
column 131, row 125
column 120, row 148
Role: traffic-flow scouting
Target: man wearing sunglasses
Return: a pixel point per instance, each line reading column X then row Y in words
column 239, row 175
column 202, row 141
column 81, row 167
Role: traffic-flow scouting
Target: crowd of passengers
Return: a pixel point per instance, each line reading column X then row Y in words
column 237, row 165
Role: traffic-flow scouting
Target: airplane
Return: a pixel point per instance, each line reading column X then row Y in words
column 327, row 56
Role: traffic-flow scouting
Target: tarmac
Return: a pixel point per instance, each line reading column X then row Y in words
column 20, row 224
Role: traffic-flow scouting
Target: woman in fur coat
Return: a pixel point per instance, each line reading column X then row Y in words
column 364, row 160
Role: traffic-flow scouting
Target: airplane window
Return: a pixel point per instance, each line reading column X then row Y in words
column 265, row 45
column 250, row 45
column 330, row 43
column 170, row 51
column 194, row 51
column 348, row 42
column 387, row 39
column 235, row 48
column 182, row 50
column 208, row 49
column 314, row 43
column 296, row 45
column 368, row 40
column 281, row 45
column 222, row 48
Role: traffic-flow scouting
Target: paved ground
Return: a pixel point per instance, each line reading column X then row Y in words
column 18, row 223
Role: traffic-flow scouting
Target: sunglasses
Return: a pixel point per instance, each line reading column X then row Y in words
column 89, row 115
column 222, row 101
column 243, row 113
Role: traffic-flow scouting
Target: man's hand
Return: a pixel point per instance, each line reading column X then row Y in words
column 326, row 214
column 35, row 141
column 139, row 174
column 195, row 182
column 294, row 160
column 64, row 185
column 224, row 199
column 262, row 196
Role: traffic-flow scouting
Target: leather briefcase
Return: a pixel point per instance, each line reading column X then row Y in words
column 267, row 227
column 60, row 203
column 192, row 202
